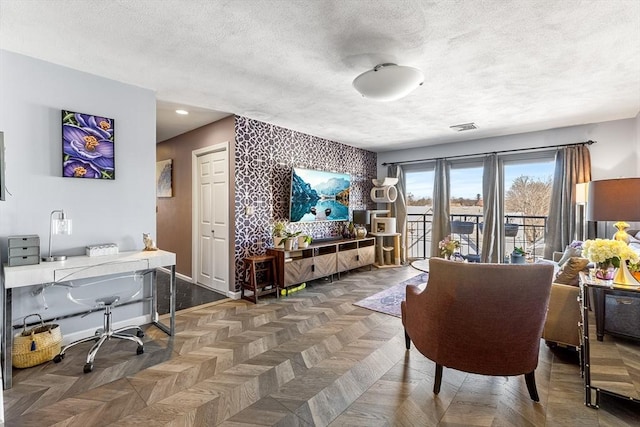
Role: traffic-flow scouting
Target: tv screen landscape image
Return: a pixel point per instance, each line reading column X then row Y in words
column 319, row 196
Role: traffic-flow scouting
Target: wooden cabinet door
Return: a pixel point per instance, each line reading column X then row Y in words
column 367, row 255
column 298, row 271
column 324, row 265
column 348, row 260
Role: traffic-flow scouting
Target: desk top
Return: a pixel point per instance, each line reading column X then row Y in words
column 81, row 267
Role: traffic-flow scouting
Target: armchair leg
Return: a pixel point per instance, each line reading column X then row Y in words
column 530, row 379
column 438, row 381
column 407, row 340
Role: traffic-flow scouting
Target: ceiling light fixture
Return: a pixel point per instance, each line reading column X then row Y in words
column 388, row 82
column 182, row 112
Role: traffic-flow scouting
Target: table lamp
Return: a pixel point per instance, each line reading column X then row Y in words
column 59, row 225
column 614, row 200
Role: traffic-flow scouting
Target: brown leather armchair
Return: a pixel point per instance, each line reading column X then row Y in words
column 481, row 318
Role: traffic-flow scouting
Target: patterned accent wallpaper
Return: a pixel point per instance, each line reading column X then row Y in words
column 264, row 157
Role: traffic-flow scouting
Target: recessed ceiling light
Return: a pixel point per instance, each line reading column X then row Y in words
column 464, row 126
column 182, row 112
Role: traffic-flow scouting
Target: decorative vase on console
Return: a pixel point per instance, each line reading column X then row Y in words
column 605, row 271
column 621, row 234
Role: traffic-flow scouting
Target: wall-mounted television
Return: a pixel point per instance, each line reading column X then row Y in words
column 319, row 196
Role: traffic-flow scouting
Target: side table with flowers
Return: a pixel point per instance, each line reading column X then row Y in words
column 448, row 247
column 609, row 255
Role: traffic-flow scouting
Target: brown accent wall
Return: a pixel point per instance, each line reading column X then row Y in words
column 174, row 214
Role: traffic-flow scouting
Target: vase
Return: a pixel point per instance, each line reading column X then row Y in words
column 621, row 234
column 605, row 273
column 288, row 244
column 518, row 259
column 302, row 241
column 623, row 276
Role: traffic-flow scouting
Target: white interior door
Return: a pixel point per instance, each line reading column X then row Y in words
column 212, row 246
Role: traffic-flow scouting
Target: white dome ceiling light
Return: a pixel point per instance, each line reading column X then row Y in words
column 388, row 82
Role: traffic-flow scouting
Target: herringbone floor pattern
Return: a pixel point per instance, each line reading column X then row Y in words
column 312, row 358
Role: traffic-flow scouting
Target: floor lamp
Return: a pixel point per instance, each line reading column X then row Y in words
column 582, row 195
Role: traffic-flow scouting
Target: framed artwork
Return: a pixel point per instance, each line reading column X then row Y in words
column 163, row 178
column 87, row 146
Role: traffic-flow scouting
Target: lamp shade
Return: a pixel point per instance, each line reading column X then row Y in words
column 614, row 200
column 582, row 193
column 388, row 82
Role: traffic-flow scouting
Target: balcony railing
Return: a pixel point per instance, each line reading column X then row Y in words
column 525, row 231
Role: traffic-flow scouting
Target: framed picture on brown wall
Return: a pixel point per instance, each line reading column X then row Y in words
column 163, row 178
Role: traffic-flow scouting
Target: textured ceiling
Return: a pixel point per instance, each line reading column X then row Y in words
column 510, row 67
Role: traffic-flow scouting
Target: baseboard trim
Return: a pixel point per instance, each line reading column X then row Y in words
column 234, row 295
column 178, row 275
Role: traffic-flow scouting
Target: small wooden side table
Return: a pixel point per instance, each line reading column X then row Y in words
column 259, row 277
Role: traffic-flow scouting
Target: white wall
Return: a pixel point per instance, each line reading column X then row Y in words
column 33, row 93
column 616, row 153
column 119, row 211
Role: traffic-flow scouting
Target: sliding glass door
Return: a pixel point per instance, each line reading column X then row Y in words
column 527, row 189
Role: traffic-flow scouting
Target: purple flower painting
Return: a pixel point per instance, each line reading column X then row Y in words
column 87, row 146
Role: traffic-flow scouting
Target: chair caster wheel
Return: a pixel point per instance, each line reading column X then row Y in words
column 58, row 358
column 88, row 367
column 140, row 334
column 140, row 350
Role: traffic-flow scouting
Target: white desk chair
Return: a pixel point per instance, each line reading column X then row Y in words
column 84, row 294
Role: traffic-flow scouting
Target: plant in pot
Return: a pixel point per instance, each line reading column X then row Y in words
column 304, row 240
column 278, row 232
column 289, row 238
column 518, row 256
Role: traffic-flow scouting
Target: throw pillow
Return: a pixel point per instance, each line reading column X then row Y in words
column 569, row 252
column 568, row 274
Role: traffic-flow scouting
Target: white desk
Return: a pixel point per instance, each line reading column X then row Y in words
column 82, row 267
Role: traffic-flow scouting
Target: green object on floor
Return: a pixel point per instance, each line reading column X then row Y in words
column 285, row 292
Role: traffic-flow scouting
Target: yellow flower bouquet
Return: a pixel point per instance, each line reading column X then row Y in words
column 608, row 254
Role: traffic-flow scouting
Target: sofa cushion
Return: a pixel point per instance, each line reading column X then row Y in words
column 569, row 251
column 568, row 274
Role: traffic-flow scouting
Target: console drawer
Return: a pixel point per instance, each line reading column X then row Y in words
column 622, row 315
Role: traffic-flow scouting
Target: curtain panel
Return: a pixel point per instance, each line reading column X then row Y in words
column 440, row 226
column 399, row 208
column 492, row 209
column 573, row 166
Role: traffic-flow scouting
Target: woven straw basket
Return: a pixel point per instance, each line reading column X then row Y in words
column 35, row 345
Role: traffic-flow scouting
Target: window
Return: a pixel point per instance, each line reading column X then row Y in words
column 419, row 184
column 419, row 187
column 527, row 195
column 465, row 204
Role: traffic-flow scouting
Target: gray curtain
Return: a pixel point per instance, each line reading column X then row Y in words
column 399, row 208
column 492, row 209
column 440, row 226
column 573, row 166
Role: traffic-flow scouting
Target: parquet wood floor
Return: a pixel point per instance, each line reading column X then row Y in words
column 312, row 358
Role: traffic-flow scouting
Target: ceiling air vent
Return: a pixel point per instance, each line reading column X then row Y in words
column 464, row 126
